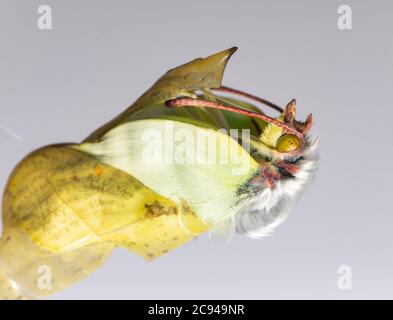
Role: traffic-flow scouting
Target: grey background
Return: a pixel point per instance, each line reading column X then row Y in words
column 59, row 85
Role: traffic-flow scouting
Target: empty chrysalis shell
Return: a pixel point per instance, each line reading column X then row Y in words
column 66, row 206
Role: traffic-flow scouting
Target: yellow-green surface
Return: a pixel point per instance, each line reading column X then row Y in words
column 61, row 204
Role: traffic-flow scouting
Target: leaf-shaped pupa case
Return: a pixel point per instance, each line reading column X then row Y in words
column 66, row 206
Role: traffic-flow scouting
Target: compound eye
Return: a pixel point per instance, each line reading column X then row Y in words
column 288, row 143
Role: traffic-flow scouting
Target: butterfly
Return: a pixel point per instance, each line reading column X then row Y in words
column 189, row 156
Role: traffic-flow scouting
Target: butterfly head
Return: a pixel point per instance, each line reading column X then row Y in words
column 285, row 138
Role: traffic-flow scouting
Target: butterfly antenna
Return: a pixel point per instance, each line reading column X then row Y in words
column 187, row 102
column 249, row 96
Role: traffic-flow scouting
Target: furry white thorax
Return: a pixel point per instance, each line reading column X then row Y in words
column 261, row 214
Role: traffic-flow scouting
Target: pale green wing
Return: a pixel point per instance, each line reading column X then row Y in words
column 166, row 157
